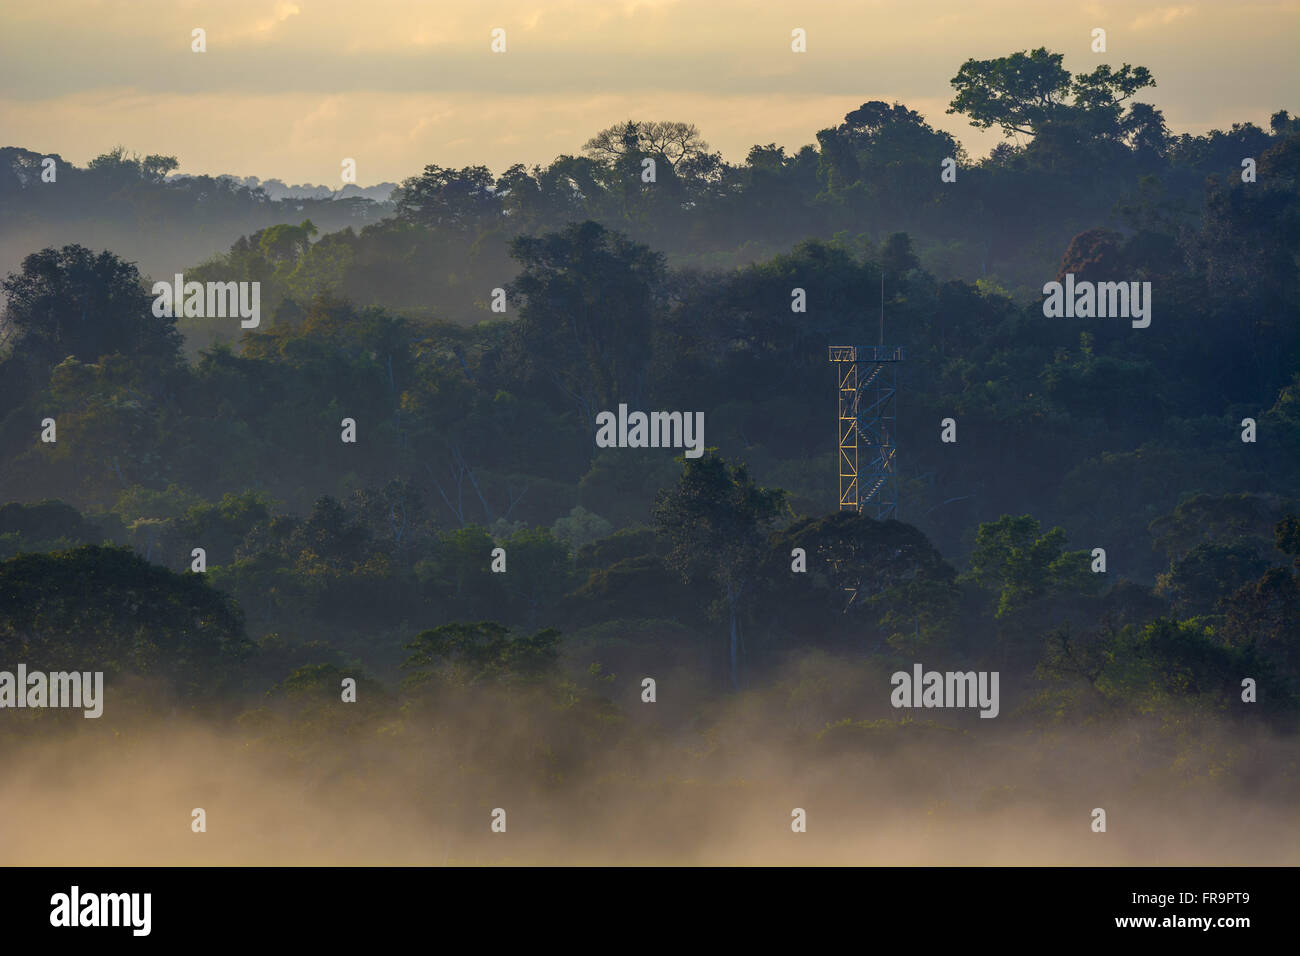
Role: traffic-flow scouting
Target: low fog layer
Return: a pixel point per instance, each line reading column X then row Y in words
column 326, row 788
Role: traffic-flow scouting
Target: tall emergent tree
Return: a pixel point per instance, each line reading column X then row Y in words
column 72, row 301
column 1033, row 94
column 716, row 521
column 590, row 297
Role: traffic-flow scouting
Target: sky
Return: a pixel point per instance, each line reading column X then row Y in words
column 289, row 90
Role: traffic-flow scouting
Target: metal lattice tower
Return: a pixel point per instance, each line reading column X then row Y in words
column 845, row 358
column 877, row 426
column 867, row 417
column 868, row 391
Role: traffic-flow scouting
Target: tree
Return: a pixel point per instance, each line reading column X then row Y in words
column 896, row 255
column 1226, row 519
column 110, row 428
column 893, row 570
column 669, row 141
column 539, row 572
column 105, row 608
column 1264, row 614
column 1019, row 93
column 885, row 135
column 123, row 168
column 1095, row 255
column 155, row 167
column 1197, row 580
column 72, row 301
column 716, row 522
column 589, row 298
column 1019, row 563
column 441, row 198
column 1031, row 93
column 391, row 513
column 580, row 527
column 468, row 654
column 48, row 526
column 458, row 573
column 1143, row 669
column 284, row 245
column 223, row 525
column 45, row 521
column 331, row 535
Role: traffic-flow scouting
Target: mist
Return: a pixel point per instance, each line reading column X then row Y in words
column 418, row 785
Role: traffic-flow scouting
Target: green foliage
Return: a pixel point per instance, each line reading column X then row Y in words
column 625, row 543
column 447, row 198
column 465, row 655
column 588, row 305
column 105, row 608
column 892, row 572
column 715, row 522
column 538, row 572
column 1205, row 519
column 715, row 519
column 580, row 527
column 48, row 526
column 1144, row 669
column 621, row 483
column 73, row 302
column 458, row 572
column 1033, row 94
column 1263, row 615
column 1014, row 560
column 678, row 296
column 1207, row 573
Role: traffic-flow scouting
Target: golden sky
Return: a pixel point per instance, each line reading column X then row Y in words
column 289, row 89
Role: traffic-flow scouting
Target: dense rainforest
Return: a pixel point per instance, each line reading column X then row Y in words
column 393, row 478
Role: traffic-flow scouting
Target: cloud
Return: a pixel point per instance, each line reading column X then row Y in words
column 257, row 25
column 401, row 81
column 1161, row 17
column 283, row 11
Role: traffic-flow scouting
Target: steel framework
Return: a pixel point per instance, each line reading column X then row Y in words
column 867, row 381
column 870, row 424
column 845, row 359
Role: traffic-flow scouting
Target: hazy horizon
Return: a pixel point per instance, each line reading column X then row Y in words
column 288, row 90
